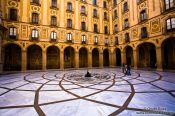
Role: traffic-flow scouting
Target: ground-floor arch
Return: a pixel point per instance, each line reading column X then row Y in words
column 95, row 57
column 69, row 57
column 12, row 57
column 118, row 57
column 83, row 57
column 53, row 57
column 129, row 56
column 106, row 58
column 168, row 53
column 147, row 55
column 34, row 57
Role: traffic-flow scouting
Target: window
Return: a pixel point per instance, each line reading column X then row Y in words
column 144, row 33
column 35, row 1
column 170, row 24
column 53, row 21
column 105, row 16
column 83, row 39
column 69, row 6
column 69, row 23
column 69, row 37
column 115, row 28
column 115, row 2
column 95, row 28
column 106, row 30
column 106, row 41
column 54, row 3
column 95, row 39
column 127, row 38
column 143, row 15
column 13, row 14
column 34, row 34
column 126, row 23
column 83, row 26
column 35, row 18
column 115, row 13
column 94, row 2
column 125, row 6
column 116, row 41
column 83, row 10
column 169, row 4
column 83, row 0
column 95, row 13
column 12, row 33
column 104, row 4
column 53, row 35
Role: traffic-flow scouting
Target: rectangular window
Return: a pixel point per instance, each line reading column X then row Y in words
column 13, row 14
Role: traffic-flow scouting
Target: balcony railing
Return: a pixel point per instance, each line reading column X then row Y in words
column 13, row 37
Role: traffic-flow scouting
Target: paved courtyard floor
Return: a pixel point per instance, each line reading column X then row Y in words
column 69, row 93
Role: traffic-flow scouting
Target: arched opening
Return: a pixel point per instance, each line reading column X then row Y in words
column 118, row 57
column 53, row 57
column 147, row 55
column 129, row 56
column 83, row 58
column 95, row 57
column 106, row 57
column 34, row 57
column 69, row 61
column 12, row 57
column 168, row 53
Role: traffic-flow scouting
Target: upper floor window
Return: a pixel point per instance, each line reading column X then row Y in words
column 13, row 14
column 126, row 23
column 69, row 23
column 83, row 10
column 115, row 28
column 106, row 41
column 95, row 13
column 125, row 6
column 95, row 28
column 94, row 2
column 35, row 18
column 53, row 21
column 69, row 37
column 170, row 24
column 53, row 35
column 12, row 32
column 106, row 30
column 115, row 2
column 83, row 39
column 95, row 39
column 83, row 26
column 69, row 6
column 35, row 34
column 127, row 39
column 143, row 15
column 54, row 3
column 169, row 4
column 105, row 16
column 144, row 33
column 115, row 13
column 104, row 4
column 116, row 41
column 35, row 1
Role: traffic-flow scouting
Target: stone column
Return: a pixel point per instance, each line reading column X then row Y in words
column 101, row 59
column 90, row 60
column 24, row 60
column 44, row 60
column 135, row 55
column 1, row 65
column 159, row 59
column 76, row 59
column 62, row 59
column 123, row 55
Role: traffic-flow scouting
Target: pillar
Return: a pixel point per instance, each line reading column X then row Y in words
column 101, row 59
column 62, row 59
column 76, row 59
column 135, row 55
column 159, row 59
column 44, row 60
column 90, row 60
column 24, row 60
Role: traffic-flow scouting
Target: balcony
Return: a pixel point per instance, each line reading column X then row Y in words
column 95, row 16
column 69, row 41
column 69, row 11
column 13, row 37
column 36, row 3
column 95, row 43
column 34, row 38
column 83, row 42
column 83, row 13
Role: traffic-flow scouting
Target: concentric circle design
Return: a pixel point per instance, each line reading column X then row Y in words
column 107, row 92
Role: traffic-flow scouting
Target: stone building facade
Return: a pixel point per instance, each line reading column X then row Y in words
column 59, row 34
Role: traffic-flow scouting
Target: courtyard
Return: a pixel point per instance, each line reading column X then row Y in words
column 68, row 93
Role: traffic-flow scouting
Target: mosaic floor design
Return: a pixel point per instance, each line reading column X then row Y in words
column 59, row 93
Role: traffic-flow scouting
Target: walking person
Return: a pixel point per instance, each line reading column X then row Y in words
column 128, row 70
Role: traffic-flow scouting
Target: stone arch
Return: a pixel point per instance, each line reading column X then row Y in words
column 12, row 57
column 106, row 53
column 168, row 53
column 95, row 57
column 118, row 59
column 83, row 57
column 34, row 57
column 128, row 50
column 69, row 57
column 53, row 57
